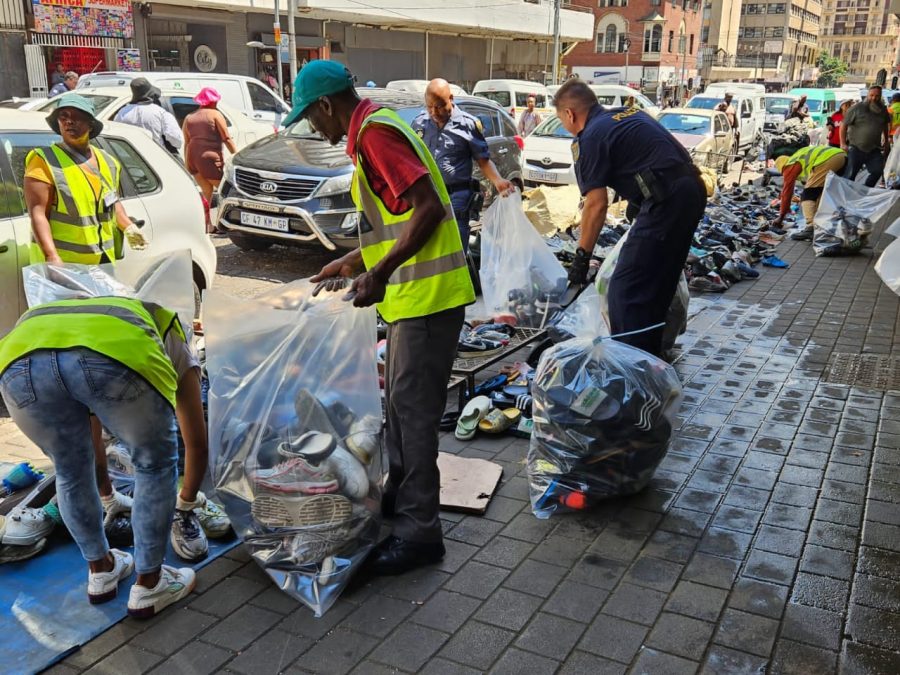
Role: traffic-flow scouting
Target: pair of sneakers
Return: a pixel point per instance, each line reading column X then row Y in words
column 193, row 524
column 143, row 602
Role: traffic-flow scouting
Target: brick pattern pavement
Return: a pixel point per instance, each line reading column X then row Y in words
column 768, row 540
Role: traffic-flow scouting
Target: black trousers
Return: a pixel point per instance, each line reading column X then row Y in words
column 650, row 262
column 420, row 355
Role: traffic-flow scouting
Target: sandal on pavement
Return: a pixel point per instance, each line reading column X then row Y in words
column 471, row 415
column 497, row 421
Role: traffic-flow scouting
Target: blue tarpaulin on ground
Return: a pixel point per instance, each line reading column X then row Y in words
column 44, row 609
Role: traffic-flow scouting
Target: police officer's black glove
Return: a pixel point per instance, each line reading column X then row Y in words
column 579, row 270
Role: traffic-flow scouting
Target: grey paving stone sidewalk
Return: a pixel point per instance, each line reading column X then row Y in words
column 769, row 539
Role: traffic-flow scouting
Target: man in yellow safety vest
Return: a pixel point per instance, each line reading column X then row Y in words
column 810, row 166
column 416, row 273
column 72, row 192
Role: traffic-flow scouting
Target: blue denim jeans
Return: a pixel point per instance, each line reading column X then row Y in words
column 50, row 395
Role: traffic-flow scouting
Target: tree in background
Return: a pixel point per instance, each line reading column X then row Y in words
column 831, row 69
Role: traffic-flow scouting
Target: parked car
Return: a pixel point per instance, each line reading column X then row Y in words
column 155, row 189
column 419, row 86
column 243, row 93
column 294, row 187
column 750, row 108
column 18, row 102
column 108, row 101
column 512, row 95
column 615, row 95
column 777, row 107
column 547, row 159
column 705, row 134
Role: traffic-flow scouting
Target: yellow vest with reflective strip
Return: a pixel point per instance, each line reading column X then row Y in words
column 810, row 157
column 894, row 109
column 126, row 330
column 436, row 278
column 80, row 223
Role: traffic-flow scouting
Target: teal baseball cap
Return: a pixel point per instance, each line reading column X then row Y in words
column 317, row 79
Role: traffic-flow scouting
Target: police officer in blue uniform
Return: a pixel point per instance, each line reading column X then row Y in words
column 627, row 150
column 455, row 138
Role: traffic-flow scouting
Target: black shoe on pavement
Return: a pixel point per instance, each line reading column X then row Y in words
column 803, row 235
column 396, row 556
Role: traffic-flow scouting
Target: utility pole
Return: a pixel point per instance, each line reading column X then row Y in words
column 277, row 27
column 681, row 87
column 292, row 40
column 627, row 45
column 556, row 4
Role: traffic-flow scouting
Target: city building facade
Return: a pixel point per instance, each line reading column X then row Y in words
column 642, row 43
column 863, row 34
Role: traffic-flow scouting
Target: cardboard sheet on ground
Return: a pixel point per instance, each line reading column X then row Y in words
column 467, row 484
column 551, row 209
column 44, row 610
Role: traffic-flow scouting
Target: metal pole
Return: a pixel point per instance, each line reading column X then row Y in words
column 292, row 40
column 556, row 41
column 426, row 54
column 681, row 87
column 277, row 27
column 491, row 64
column 627, row 51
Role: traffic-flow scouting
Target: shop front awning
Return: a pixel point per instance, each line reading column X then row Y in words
column 61, row 40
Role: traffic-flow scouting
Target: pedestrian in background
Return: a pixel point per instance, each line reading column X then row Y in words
column 865, row 136
column 205, row 132
column 834, row 124
column 798, row 110
column 416, row 272
column 726, row 107
column 144, row 112
column 456, row 138
column 68, row 83
column 58, row 76
column 529, row 119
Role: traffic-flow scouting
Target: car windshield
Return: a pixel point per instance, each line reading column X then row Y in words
column 499, row 97
column 551, row 128
column 704, row 103
column 100, row 102
column 814, row 105
column 778, row 106
column 685, row 124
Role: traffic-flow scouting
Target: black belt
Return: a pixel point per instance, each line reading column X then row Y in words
column 676, row 172
column 459, row 187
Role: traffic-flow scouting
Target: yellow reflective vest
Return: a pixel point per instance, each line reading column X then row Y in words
column 436, row 278
column 126, row 330
column 810, row 157
column 81, row 223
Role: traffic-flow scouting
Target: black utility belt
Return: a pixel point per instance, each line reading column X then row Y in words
column 656, row 185
column 462, row 185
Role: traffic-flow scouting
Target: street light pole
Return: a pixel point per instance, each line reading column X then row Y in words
column 627, row 44
column 292, row 40
column 556, row 41
column 277, row 27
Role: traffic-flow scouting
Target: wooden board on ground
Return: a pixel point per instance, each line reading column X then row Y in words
column 467, row 484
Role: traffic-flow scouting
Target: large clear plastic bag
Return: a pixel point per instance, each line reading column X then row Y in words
column 295, row 433
column 677, row 314
column 848, row 212
column 580, row 319
column 603, row 413
column 519, row 273
column 892, row 167
column 888, row 266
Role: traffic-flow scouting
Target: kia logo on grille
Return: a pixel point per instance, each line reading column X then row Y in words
column 547, row 160
column 268, row 186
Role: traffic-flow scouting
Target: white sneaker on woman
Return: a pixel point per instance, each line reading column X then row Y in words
column 103, row 586
column 174, row 584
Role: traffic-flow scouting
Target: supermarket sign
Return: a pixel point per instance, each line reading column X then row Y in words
column 99, row 18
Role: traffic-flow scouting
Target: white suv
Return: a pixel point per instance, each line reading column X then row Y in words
column 155, row 189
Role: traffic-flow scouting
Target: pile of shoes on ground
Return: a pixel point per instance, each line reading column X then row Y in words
column 26, row 527
column 733, row 236
column 486, row 337
column 500, row 404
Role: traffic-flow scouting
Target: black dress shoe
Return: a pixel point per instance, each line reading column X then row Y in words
column 388, row 504
column 396, row 556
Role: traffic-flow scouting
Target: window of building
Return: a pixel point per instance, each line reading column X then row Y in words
column 611, row 41
column 653, row 38
column 671, row 40
column 691, row 51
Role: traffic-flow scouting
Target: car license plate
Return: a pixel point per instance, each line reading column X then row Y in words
column 546, row 176
column 267, row 222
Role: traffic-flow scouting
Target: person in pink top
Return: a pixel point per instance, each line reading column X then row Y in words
column 205, row 132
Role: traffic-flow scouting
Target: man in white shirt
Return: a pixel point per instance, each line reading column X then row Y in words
column 144, row 112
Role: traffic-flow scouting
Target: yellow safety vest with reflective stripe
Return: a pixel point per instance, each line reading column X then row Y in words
column 81, row 224
column 810, row 157
column 436, row 278
column 126, row 330
column 894, row 109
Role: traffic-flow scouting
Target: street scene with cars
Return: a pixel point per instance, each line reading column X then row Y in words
column 527, row 337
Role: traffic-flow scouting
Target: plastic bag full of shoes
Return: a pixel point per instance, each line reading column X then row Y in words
column 295, row 433
column 603, row 413
column 847, row 214
column 519, row 273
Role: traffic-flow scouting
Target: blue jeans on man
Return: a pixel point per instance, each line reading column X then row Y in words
column 50, row 395
column 461, row 200
column 872, row 160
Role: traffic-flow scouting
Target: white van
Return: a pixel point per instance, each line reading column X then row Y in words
column 512, row 95
column 418, row 87
column 615, row 95
column 246, row 94
column 749, row 101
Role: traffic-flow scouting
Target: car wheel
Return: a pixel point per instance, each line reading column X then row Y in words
column 247, row 242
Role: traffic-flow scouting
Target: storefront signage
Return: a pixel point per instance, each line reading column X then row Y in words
column 205, row 59
column 96, row 18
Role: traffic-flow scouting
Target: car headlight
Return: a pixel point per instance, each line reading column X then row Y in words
column 228, row 170
column 334, row 186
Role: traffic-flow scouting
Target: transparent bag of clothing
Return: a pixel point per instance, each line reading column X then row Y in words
column 295, row 433
column 848, row 213
column 520, row 276
column 603, row 420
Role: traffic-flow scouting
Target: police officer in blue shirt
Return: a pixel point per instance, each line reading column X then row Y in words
column 627, row 150
column 455, row 138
